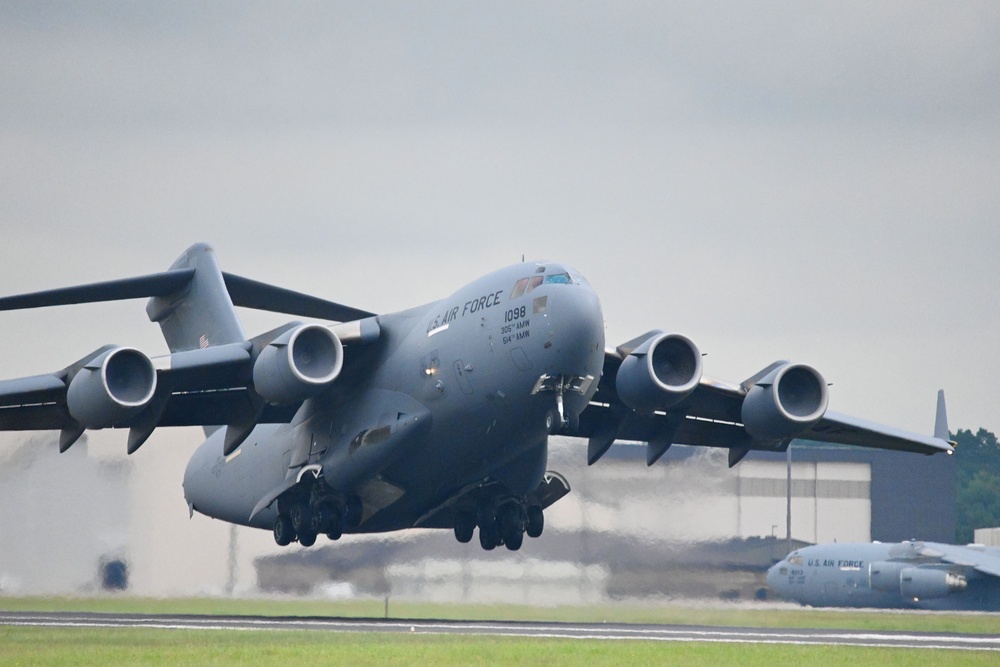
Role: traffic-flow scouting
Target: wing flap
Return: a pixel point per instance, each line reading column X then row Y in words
column 847, row 430
column 31, row 390
column 987, row 562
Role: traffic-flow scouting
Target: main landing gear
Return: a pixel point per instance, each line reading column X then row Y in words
column 307, row 515
column 504, row 523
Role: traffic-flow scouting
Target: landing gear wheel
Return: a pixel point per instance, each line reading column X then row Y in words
column 322, row 517
column 511, row 526
column 307, row 539
column 489, row 536
column 301, row 517
column 353, row 512
column 465, row 527
column 514, row 540
column 553, row 422
column 335, row 527
column 535, row 522
column 283, row 531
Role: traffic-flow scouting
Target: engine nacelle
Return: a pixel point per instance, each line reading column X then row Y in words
column 659, row 373
column 884, row 575
column 785, row 402
column 298, row 364
column 919, row 583
column 111, row 387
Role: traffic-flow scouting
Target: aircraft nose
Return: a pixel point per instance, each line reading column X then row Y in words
column 774, row 576
column 577, row 323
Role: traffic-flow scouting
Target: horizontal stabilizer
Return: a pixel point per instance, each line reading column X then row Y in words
column 243, row 292
column 156, row 284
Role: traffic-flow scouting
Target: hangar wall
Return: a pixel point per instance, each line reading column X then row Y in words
column 61, row 515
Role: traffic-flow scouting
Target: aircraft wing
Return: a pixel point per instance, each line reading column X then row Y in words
column 711, row 414
column 984, row 560
column 233, row 384
column 199, row 387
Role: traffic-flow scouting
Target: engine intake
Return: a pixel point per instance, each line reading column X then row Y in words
column 111, row 387
column 298, row 364
column 785, row 402
column 659, row 373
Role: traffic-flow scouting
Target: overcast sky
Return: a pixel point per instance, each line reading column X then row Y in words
column 813, row 181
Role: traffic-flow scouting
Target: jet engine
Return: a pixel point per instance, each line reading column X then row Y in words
column 111, row 387
column 298, row 364
column 785, row 402
column 921, row 582
column 884, row 575
column 659, row 373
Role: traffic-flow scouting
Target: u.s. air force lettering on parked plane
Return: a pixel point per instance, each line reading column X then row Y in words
column 434, row 417
column 925, row 575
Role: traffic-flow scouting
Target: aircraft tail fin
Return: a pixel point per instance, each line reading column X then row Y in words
column 941, row 419
column 200, row 312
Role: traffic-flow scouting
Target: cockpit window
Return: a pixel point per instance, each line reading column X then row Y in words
column 558, row 278
column 519, row 287
column 795, row 560
column 525, row 285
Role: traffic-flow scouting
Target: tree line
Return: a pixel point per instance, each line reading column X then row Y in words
column 977, row 483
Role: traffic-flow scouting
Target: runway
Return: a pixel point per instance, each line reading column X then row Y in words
column 588, row 631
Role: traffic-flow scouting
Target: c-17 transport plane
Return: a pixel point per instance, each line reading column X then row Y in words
column 925, row 575
column 433, row 417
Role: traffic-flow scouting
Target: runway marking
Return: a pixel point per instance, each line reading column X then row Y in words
column 538, row 630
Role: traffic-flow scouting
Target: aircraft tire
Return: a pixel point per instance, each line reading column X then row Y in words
column 301, row 517
column 535, row 522
column 552, row 422
column 307, row 538
column 322, row 515
column 510, row 524
column 514, row 541
column 283, row 531
column 465, row 527
column 489, row 536
column 335, row 527
column 353, row 511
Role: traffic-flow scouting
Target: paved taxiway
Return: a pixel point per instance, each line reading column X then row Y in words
column 598, row 631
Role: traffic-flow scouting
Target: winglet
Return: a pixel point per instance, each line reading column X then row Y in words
column 941, row 419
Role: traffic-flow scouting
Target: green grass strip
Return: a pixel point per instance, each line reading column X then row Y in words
column 83, row 647
column 727, row 616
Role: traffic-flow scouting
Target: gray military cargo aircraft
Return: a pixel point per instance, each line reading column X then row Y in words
column 924, row 575
column 434, row 417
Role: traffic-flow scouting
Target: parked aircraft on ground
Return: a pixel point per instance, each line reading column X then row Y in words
column 926, row 575
column 435, row 417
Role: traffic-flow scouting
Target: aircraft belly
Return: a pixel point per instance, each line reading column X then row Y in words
column 228, row 487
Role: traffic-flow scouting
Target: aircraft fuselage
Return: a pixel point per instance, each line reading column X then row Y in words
column 883, row 575
column 457, row 393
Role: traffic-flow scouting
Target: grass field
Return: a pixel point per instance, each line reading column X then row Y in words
column 89, row 646
column 718, row 615
column 100, row 647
